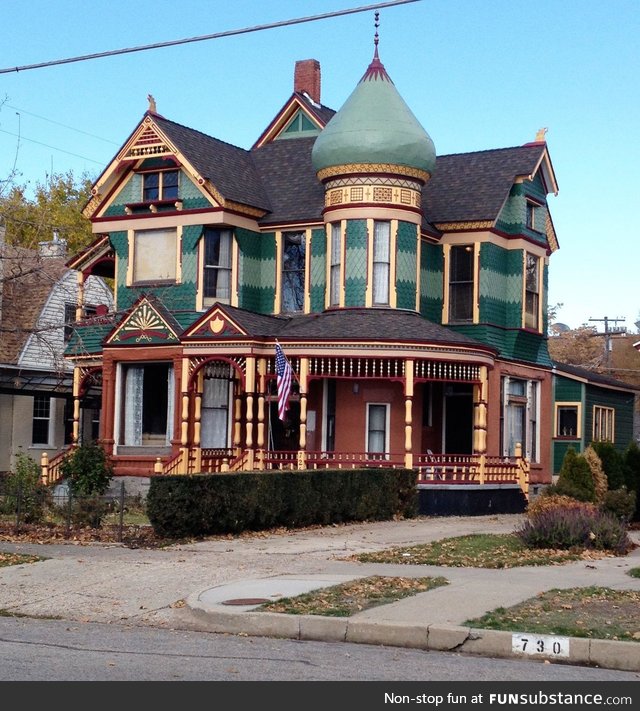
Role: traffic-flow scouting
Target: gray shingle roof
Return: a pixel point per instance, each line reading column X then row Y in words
column 592, row 376
column 474, row 186
column 229, row 168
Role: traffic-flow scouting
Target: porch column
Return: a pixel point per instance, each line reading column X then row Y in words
column 408, row 414
column 303, row 380
column 75, row 434
column 108, row 405
column 184, row 418
column 80, row 297
column 480, row 413
column 197, row 422
column 262, row 384
column 237, row 421
column 251, row 388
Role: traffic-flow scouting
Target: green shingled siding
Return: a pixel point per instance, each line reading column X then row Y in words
column 622, row 403
column 406, row 265
column 500, row 287
column 318, row 269
column 257, row 270
column 355, row 263
column 513, row 216
column 131, row 192
column 431, row 281
column 511, row 344
column 566, row 390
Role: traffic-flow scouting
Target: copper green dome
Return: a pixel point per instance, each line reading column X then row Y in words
column 375, row 126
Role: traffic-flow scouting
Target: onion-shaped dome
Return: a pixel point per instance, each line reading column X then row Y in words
column 376, row 127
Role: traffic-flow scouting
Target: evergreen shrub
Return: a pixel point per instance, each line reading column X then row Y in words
column 575, row 478
column 207, row 504
column 620, row 503
column 612, row 463
column 550, row 502
column 575, row 528
column 600, row 482
column 631, row 465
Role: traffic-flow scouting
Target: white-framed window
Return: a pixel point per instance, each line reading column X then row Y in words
column 336, row 259
column 146, row 404
column 381, row 262
column 532, row 291
column 154, row 255
column 161, row 185
column 567, row 420
column 216, row 396
column 293, row 271
column 41, row 421
column 603, row 424
column 520, row 416
column 378, row 429
column 217, row 265
column 461, row 282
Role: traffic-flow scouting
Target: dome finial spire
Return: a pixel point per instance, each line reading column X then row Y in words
column 376, row 37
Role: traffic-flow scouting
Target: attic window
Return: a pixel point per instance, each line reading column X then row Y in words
column 300, row 124
column 532, row 217
column 162, row 185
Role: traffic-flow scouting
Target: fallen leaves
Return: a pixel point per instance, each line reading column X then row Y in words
column 16, row 559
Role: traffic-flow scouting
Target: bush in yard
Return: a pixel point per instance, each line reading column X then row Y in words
column 575, row 528
column 600, row 483
column 551, row 502
column 575, row 478
column 620, row 503
column 87, row 469
column 612, row 463
column 201, row 505
column 631, row 466
column 24, row 491
column 88, row 510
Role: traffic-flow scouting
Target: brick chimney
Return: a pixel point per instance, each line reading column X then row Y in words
column 306, row 78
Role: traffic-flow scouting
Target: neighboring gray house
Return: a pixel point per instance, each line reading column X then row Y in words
column 38, row 299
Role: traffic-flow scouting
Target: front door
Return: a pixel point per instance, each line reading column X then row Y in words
column 458, row 419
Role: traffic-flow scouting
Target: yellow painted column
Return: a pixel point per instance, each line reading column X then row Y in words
column 480, row 413
column 75, row 435
column 184, row 418
column 262, row 384
column 80, row 297
column 303, row 379
column 197, row 423
column 408, row 414
column 251, row 388
column 237, row 422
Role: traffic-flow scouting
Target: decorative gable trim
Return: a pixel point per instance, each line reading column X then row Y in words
column 216, row 323
column 146, row 323
column 284, row 116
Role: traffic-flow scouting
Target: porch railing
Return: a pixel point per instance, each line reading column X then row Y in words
column 51, row 469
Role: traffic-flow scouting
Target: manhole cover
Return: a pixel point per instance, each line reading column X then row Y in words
column 246, row 601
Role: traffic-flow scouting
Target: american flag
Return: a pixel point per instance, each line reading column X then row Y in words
column 284, row 374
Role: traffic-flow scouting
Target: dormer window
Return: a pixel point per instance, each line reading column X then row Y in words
column 162, row 185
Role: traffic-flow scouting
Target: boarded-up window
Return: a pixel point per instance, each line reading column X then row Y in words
column 155, row 255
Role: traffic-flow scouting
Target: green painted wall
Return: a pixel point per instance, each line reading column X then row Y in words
column 355, row 282
column 512, row 344
column 500, row 288
column 318, row 269
column 406, row 265
column 431, row 281
column 513, row 216
column 131, row 192
column 568, row 390
column 176, row 297
column 623, row 405
column 257, row 270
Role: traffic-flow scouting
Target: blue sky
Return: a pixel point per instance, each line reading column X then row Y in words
column 477, row 75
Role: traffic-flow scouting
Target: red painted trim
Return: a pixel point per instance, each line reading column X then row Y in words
column 384, row 205
column 213, row 359
column 164, row 213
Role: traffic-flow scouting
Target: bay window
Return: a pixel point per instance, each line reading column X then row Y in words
column 381, row 262
column 461, row 283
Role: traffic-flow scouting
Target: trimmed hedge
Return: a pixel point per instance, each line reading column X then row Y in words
column 208, row 504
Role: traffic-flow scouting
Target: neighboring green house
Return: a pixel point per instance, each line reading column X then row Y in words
column 589, row 407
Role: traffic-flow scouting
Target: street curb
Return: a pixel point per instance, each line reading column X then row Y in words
column 607, row 654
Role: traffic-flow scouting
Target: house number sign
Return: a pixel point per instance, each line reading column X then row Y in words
column 540, row 645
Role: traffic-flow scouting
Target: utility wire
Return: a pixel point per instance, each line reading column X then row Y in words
column 46, row 145
column 201, row 38
column 64, row 125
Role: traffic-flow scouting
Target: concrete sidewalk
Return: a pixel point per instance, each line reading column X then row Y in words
column 432, row 620
column 189, row 587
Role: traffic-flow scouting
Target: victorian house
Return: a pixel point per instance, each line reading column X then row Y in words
column 407, row 291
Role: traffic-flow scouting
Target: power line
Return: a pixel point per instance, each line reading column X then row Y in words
column 46, row 145
column 201, row 38
column 64, row 125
